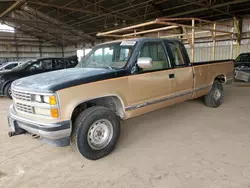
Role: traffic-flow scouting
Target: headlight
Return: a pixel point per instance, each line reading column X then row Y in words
column 38, row 98
column 48, row 99
column 47, row 106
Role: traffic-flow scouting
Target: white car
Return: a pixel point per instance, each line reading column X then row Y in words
column 10, row 65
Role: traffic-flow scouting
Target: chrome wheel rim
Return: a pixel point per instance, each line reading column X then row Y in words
column 100, row 134
column 217, row 94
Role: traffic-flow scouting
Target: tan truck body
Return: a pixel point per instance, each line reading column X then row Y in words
column 124, row 92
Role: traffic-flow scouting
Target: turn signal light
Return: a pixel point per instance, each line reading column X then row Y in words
column 54, row 112
column 52, row 100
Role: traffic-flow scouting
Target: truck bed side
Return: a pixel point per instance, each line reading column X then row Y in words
column 206, row 72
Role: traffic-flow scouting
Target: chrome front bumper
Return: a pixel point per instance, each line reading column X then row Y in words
column 53, row 133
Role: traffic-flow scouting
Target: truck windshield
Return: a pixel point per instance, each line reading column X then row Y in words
column 113, row 55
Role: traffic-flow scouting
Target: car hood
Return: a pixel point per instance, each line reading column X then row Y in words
column 57, row 80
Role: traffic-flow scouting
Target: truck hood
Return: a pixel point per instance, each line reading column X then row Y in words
column 57, row 80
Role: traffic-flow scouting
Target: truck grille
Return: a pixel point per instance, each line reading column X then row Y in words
column 24, row 108
column 22, row 101
column 21, row 95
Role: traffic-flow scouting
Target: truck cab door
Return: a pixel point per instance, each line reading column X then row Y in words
column 184, row 77
column 151, row 88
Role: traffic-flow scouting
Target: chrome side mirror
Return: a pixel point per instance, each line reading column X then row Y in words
column 144, row 62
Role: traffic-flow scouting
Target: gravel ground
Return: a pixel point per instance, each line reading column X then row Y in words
column 185, row 145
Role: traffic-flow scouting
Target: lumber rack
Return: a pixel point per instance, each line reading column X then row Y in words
column 189, row 31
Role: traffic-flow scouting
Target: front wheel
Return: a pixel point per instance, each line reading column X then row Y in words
column 95, row 132
column 7, row 91
column 215, row 97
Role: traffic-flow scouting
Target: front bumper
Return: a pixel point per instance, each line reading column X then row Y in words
column 53, row 133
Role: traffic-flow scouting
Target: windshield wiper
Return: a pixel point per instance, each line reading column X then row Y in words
column 108, row 66
column 102, row 65
column 96, row 63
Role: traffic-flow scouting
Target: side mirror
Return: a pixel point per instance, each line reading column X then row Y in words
column 144, row 62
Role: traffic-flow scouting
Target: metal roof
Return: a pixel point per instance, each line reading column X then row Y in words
column 73, row 21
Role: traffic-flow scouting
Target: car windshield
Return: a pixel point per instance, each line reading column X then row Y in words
column 243, row 58
column 113, row 55
column 24, row 64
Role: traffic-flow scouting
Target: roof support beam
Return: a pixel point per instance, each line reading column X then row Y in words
column 30, row 33
column 208, row 7
column 51, row 34
column 33, row 14
column 98, row 13
column 64, row 7
column 75, row 11
column 212, row 7
column 12, row 7
column 101, row 16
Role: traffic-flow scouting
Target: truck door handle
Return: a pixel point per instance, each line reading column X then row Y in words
column 171, row 76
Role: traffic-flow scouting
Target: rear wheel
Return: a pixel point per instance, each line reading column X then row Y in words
column 215, row 97
column 7, row 91
column 96, row 132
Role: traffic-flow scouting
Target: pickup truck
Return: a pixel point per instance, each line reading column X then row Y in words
column 117, row 80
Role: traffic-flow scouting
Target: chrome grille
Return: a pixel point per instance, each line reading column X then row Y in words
column 21, row 95
column 22, row 101
column 24, row 108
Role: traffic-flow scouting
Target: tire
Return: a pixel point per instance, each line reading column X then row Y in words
column 215, row 97
column 91, row 126
column 7, row 91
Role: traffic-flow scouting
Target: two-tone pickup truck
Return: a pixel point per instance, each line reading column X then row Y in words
column 117, row 80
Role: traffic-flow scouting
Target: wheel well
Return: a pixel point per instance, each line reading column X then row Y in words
column 221, row 78
column 112, row 102
column 6, row 84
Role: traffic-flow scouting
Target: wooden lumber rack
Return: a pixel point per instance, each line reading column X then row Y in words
column 190, row 31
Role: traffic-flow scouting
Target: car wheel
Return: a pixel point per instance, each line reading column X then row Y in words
column 7, row 91
column 95, row 132
column 215, row 97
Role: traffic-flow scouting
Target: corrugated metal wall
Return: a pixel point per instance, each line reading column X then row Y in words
column 203, row 51
column 28, row 52
column 25, row 47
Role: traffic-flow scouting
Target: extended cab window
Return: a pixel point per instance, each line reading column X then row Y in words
column 156, row 52
column 177, row 55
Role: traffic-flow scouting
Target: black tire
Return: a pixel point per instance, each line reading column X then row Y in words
column 81, row 128
column 215, row 97
column 7, row 90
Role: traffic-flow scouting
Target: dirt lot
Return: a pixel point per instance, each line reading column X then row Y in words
column 186, row 145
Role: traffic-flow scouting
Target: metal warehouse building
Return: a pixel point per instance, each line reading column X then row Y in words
column 112, row 81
